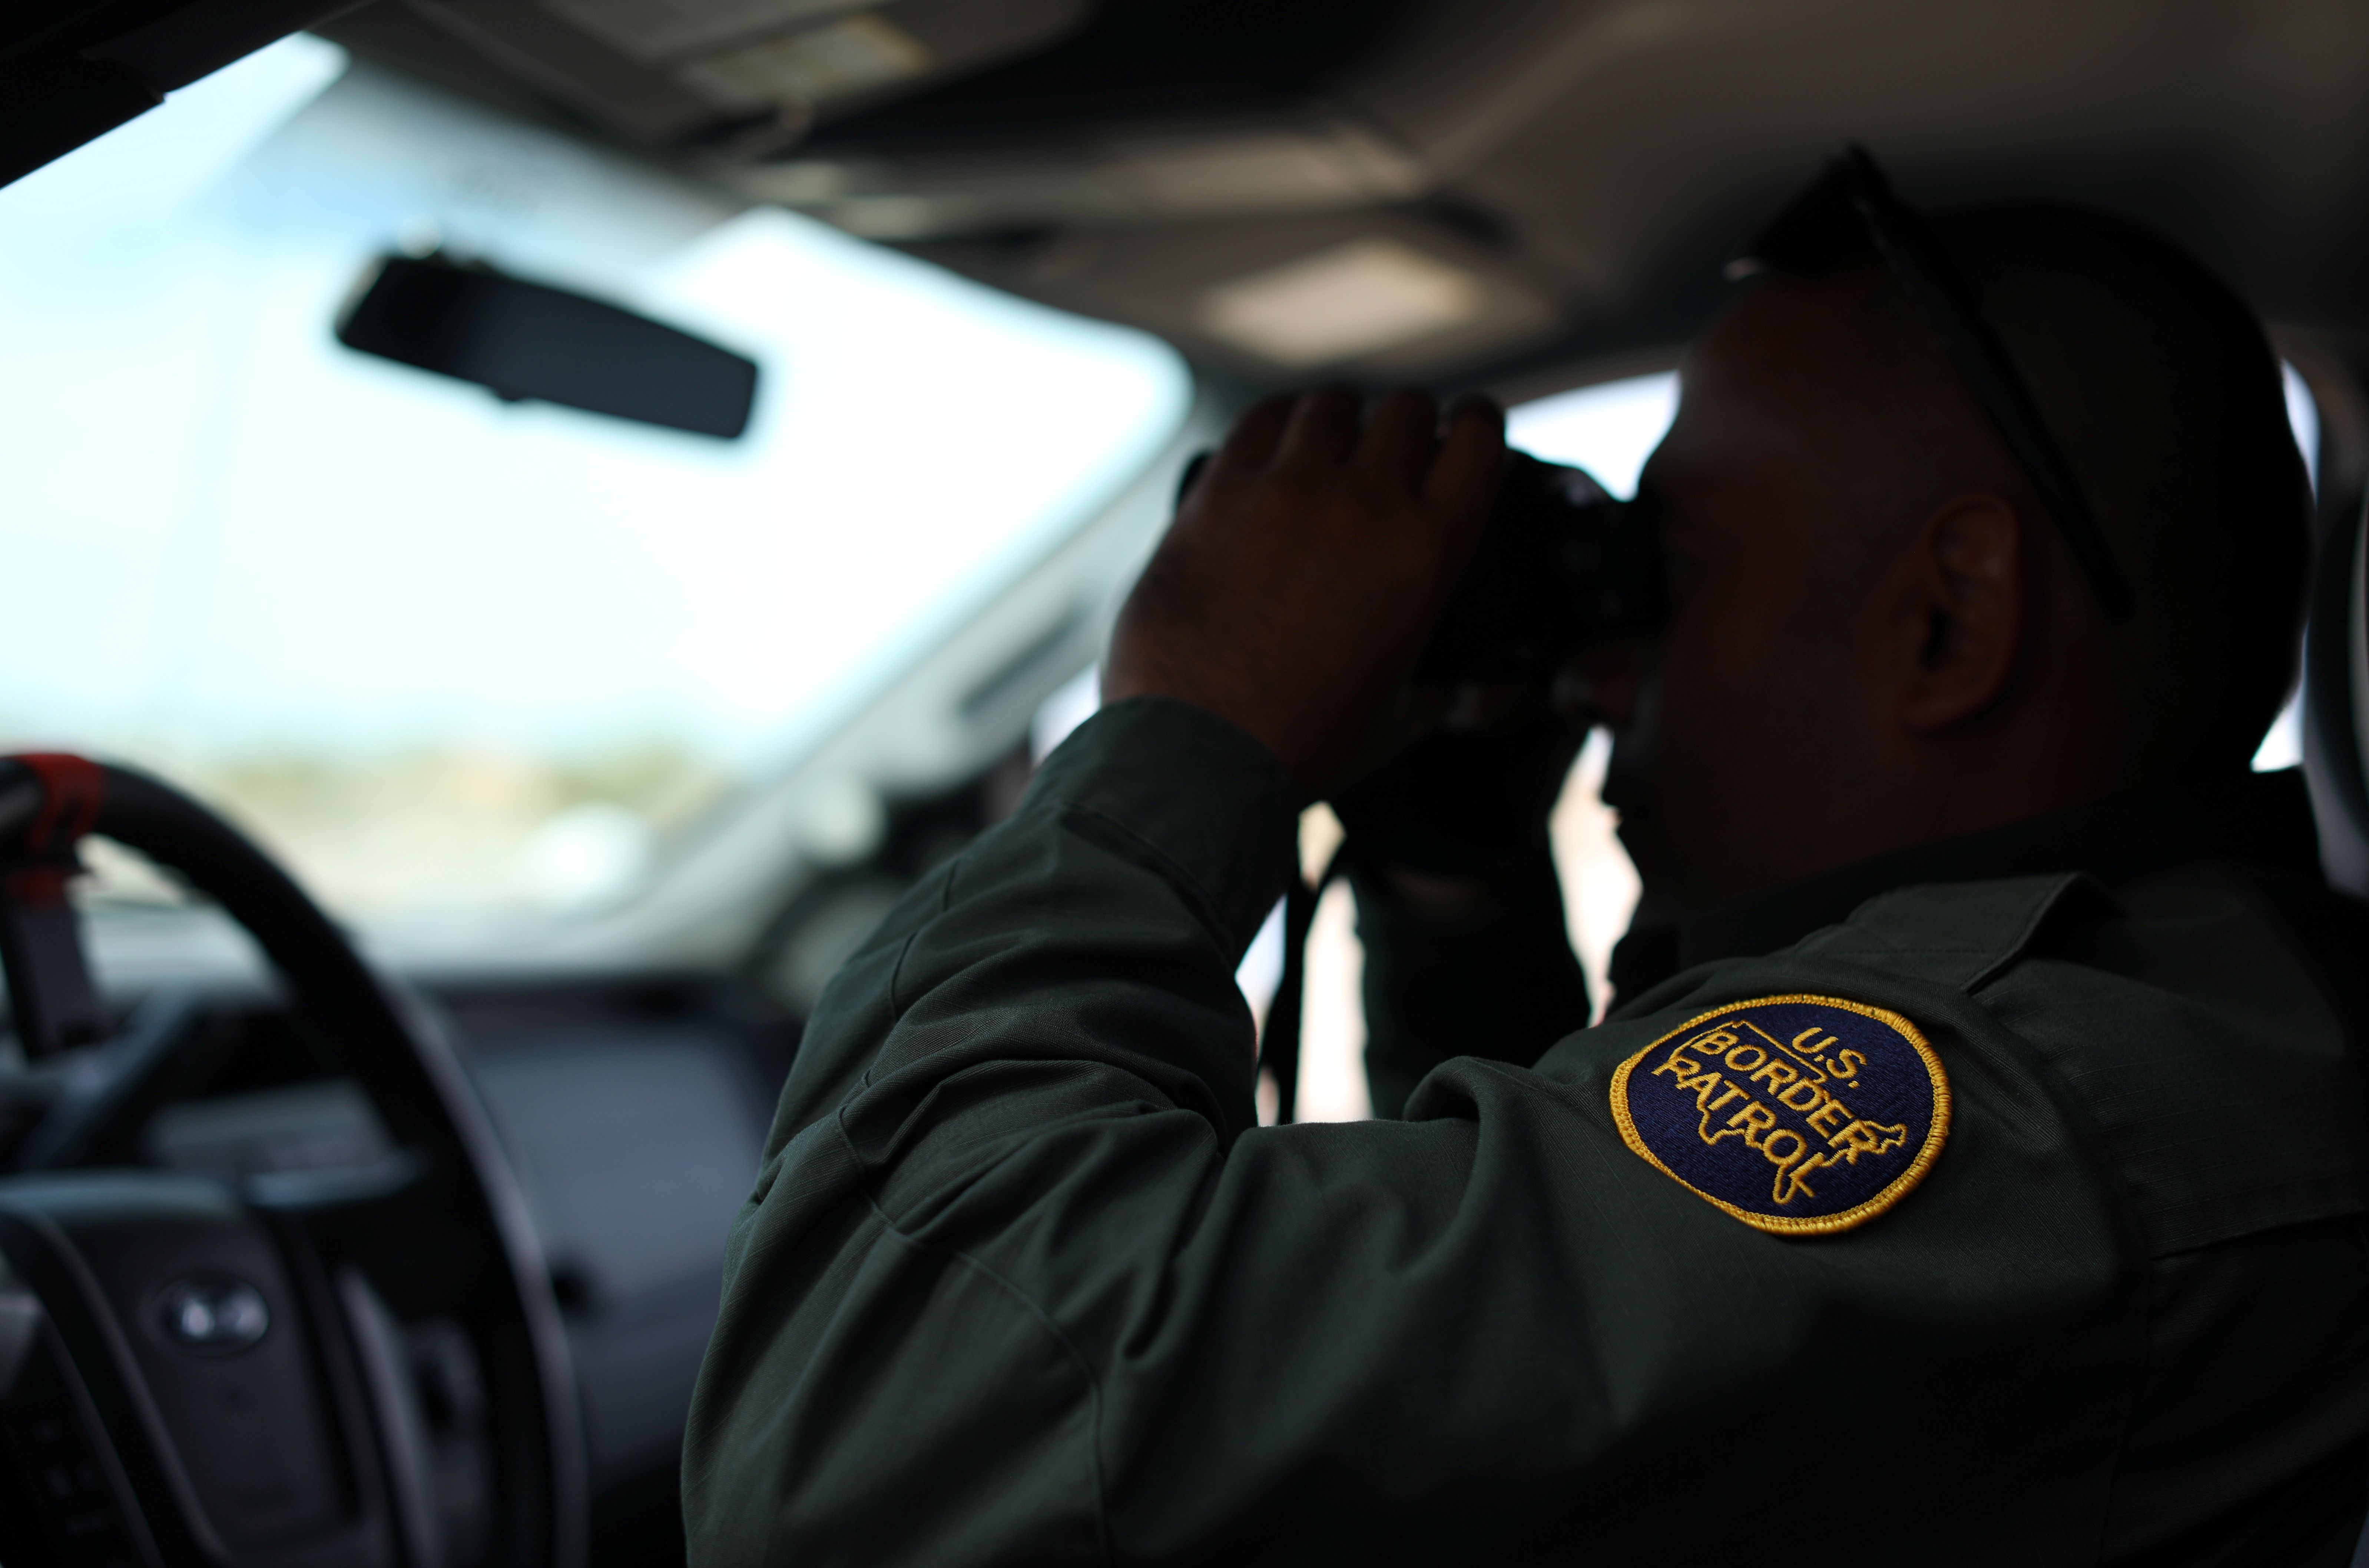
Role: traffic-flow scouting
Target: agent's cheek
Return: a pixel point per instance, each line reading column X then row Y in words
column 1687, row 701
column 1700, row 714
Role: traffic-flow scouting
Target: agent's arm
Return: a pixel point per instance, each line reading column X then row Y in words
column 1020, row 1282
column 1017, row 1107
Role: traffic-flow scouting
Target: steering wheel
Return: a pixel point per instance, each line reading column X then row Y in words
column 354, row 1366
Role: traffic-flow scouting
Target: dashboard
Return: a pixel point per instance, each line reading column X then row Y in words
column 635, row 1117
column 633, row 1111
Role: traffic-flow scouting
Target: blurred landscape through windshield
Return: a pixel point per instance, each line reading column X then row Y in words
column 444, row 653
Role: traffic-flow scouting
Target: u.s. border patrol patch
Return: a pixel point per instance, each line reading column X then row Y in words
column 1797, row 1114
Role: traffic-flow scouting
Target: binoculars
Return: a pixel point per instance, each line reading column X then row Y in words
column 1562, row 561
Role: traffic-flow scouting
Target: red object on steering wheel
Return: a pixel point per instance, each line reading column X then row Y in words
column 197, row 1372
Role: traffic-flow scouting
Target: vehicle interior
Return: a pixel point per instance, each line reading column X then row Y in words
column 447, row 756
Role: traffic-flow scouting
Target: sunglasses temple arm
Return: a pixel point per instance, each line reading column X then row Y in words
column 1924, row 274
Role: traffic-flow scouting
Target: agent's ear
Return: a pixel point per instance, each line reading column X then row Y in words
column 1960, row 612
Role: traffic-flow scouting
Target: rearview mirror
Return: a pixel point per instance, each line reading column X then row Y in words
column 527, row 340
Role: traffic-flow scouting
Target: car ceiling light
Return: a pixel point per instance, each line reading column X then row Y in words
column 854, row 55
column 1355, row 299
column 1339, row 165
column 666, row 29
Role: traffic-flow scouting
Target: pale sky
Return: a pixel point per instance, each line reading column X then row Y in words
column 235, row 531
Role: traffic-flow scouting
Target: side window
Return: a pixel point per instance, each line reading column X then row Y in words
column 1609, row 428
column 2283, row 746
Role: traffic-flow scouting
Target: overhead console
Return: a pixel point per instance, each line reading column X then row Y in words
column 751, row 76
column 1436, row 189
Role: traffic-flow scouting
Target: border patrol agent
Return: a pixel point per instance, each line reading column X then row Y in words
column 1994, row 1196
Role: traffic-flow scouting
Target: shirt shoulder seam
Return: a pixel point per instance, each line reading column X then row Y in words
column 1204, row 901
column 1061, row 1337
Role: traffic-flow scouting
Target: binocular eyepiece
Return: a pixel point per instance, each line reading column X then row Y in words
column 1562, row 562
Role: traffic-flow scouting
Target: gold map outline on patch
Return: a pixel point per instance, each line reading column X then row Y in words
column 1806, row 1064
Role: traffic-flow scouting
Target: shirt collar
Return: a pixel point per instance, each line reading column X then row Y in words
column 2263, row 816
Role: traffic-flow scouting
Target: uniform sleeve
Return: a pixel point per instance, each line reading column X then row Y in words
column 1022, row 1282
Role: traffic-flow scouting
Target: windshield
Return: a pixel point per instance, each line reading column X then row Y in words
column 440, row 651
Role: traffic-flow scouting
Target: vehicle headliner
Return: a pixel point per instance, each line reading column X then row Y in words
column 1593, row 161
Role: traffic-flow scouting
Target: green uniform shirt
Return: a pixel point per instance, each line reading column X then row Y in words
column 1022, row 1281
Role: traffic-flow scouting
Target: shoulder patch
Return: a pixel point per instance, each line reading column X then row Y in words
column 1795, row 1114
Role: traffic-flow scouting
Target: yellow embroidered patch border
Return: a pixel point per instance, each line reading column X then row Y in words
column 1801, row 1114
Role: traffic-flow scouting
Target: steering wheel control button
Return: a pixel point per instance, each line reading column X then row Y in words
column 214, row 1316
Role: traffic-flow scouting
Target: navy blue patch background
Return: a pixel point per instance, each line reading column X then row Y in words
column 1890, row 1087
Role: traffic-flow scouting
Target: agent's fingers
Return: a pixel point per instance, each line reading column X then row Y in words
column 1253, row 439
column 1323, row 429
column 1399, row 438
column 1465, row 473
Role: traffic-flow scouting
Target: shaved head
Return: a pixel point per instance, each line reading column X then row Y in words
column 1881, row 637
column 2164, row 396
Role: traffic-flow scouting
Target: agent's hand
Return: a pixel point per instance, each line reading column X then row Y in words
column 1469, row 801
column 1304, row 573
column 1456, row 824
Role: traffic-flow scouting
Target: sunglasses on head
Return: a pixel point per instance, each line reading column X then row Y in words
column 1849, row 211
